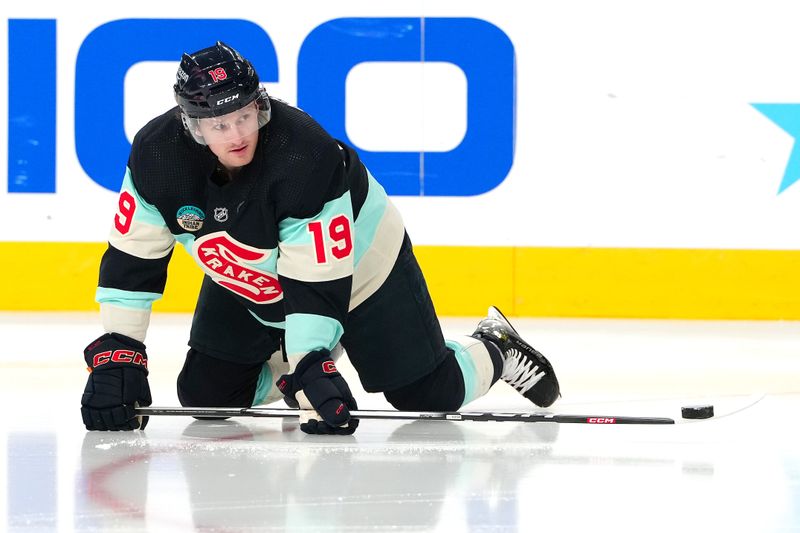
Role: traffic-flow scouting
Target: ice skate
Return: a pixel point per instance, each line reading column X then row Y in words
column 524, row 368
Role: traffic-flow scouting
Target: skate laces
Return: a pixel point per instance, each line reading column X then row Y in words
column 520, row 371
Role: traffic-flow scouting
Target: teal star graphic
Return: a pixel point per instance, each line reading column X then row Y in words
column 787, row 117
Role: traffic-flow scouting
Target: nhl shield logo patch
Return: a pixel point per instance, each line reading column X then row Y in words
column 190, row 218
column 220, row 214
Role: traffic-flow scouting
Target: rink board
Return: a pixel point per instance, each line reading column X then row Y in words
column 527, row 281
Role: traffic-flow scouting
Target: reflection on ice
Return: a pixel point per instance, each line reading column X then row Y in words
column 732, row 473
column 32, row 469
column 240, row 476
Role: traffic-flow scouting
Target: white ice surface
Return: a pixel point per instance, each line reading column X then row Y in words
column 739, row 471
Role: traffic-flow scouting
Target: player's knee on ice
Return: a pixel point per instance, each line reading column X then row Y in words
column 206, row 381
column 441, row 390
column 466, row 374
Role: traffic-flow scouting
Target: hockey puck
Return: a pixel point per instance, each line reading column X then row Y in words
column 697, row 411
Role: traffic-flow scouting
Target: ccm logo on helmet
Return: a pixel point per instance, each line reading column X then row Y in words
column 228, row 99
column 119, row 356
column 328, row 367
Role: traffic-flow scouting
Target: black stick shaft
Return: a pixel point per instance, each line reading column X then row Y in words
column 220, row 412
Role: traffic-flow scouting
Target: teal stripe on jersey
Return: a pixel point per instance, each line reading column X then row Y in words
column 306, row 333
column 294, row 231
column 468, row 371
column 145, row 213
column 279, row 325
column 263, row 385
column 270, row 264
column 127, row 299
column 186, row 240
column 369, row 217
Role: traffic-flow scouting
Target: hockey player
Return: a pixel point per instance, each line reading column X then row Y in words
column 303, row 254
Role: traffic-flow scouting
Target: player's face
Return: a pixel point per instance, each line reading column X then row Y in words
column 232, row 137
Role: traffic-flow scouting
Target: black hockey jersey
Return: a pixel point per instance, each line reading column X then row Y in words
column 300, row 236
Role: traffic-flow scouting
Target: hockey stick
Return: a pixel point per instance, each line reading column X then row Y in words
column 220, row 412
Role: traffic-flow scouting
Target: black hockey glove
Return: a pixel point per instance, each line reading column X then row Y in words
column 117, row 383
column 316, row 384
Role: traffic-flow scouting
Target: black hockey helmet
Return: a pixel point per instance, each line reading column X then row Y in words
column 216, row 81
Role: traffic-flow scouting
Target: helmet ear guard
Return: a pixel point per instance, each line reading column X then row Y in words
column 192, row 128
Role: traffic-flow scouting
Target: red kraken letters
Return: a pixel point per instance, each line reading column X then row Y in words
column 229, row 264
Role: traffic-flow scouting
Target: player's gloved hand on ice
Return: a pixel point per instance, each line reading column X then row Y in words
column 316, row 384
column 116, row 385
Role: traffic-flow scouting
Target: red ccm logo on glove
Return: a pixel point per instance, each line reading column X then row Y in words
column 119, row 356
column 328, row 367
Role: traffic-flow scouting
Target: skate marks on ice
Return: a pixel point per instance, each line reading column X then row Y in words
column 248, row 475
